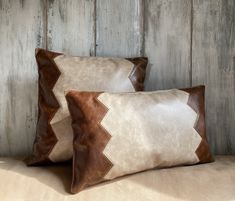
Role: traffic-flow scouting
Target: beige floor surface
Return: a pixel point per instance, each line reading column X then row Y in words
column 214, row 181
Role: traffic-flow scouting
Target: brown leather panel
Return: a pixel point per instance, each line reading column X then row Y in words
column 90, row 139
column 47, row 104
column 137, row 75
column 196, row 102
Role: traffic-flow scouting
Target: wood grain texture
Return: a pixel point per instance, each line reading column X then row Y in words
column 21, row 30
column 167, row 43
column 187, row 42
column 71, row 26
column 119, row 27
column 213, row 64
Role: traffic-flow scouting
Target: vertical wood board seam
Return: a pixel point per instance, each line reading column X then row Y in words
column 46, row 26
column 142, row 50
column 95, row 26
column 191, row 46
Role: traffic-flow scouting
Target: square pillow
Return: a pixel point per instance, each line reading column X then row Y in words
column 116, row 134
column 59, row 73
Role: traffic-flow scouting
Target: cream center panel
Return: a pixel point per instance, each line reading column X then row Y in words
column 155, row 129
column 84, row 74
column 63, row 150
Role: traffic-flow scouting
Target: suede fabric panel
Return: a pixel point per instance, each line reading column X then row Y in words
column 84, row 73
column 154, row 128
column 89, row 111
column 53, row 142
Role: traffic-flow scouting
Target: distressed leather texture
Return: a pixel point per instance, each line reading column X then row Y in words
column 116, row 134
column 59, row 73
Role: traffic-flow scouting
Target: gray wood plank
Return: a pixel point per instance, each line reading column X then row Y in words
column 71, row 27
column 167, row 43
column 213, row 64
column 159, row 29
column 21, row 30
column 119, row 27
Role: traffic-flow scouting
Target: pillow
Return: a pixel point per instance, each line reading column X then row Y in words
column 59, row 73
column 122, row 133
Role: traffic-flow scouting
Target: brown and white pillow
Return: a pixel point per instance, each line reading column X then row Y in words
column 59, row 73
column 122, row 133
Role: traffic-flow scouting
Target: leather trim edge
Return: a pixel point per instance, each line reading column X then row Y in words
column 137, row 75
column 197, row 103
column 48, row 105
column 88, row 140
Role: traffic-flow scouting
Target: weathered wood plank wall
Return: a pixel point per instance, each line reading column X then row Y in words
column 119, row 29
column 167, row 43
column 22, row 28
column 71, row 26
column 187, row 42
column 213, row 64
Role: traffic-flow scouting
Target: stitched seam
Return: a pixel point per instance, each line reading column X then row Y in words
column 104, row 129
column 133, row 70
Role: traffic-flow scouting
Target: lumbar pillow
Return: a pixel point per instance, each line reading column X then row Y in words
column 59, row 73
column 122, row 133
